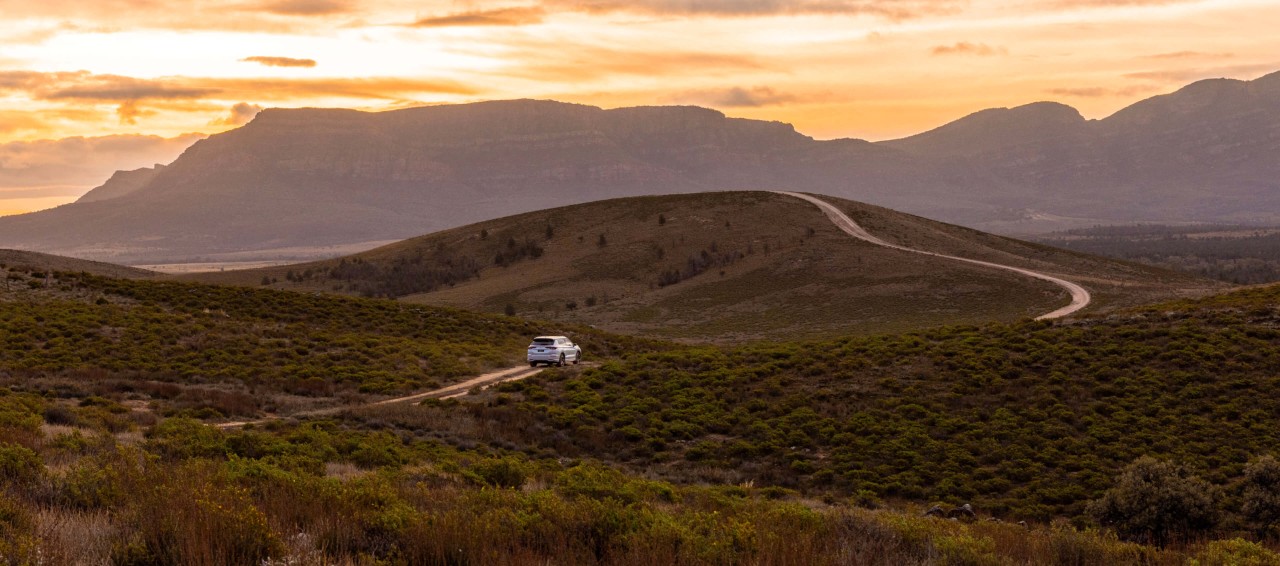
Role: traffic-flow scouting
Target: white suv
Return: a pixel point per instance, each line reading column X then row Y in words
column 553, row 350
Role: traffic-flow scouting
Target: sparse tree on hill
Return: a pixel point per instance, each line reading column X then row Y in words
column 1157, row 501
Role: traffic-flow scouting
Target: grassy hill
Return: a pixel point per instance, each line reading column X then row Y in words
column 757, row 454
column 35, row 261
column 721, row 266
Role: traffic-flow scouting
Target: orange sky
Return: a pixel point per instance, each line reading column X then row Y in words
column 145, row 72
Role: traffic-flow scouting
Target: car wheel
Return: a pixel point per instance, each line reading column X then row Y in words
column 577, row 358
column 533, row 364
column 561, row 362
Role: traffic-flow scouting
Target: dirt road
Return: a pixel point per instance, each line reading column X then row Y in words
column 447, row 392
column 1079, row 295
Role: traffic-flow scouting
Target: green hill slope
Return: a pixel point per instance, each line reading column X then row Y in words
column 680, row 455
column 721, row 266
column 1030, row 420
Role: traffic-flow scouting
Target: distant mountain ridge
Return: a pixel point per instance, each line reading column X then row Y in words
column 318, row 177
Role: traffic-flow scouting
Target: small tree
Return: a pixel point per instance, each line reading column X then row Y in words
column 602, row 242
column 550, row 231
column 662, row 219
column 1155, row 501
column 1262, row 493
column 510, row 310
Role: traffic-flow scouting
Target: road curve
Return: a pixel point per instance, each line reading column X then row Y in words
column 1080, row 297
column 447, row 392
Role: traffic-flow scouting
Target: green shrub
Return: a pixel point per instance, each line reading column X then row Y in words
column 19, row 465
column 1235, row 552
column 1155, row 501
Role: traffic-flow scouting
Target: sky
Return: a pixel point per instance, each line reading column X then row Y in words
column 89, row 87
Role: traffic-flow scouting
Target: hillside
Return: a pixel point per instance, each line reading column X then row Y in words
column 309, row 178
column 1031, row 420
column 795, row 452
column 33, row 261
column 721, row 266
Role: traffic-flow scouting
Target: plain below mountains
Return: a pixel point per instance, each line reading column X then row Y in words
column 725, row 266
column 297, row 180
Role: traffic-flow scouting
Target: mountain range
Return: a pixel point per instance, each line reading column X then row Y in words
column 305, row 178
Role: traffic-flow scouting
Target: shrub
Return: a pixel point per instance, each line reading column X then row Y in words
column 1154, row 501
column 19, row 465
column 1235, row 552
column 1262, row 493
column 504, row 473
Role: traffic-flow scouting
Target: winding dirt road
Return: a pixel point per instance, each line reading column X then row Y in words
column 1080, row 297
column 447, row 392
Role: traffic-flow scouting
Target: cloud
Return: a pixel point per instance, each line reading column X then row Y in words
column 240, row 115
column 587, row 62
column 1200, row 73
column 967, row 48
column 79, row 162
column 129, row 112
column 1190, row 55
column 306, row 7
column 1100, row 92
column 280, row 61
column 82, row 86
column 517, row 16
column 893, row 9
column 85, row 86
column 738, row 97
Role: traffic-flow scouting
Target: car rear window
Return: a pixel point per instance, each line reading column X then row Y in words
column 543, row 341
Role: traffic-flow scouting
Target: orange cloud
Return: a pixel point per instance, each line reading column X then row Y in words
column 738, row 97
column 1100, row 92
column 240, row 115
column 500, row 17
column 967, row 48
column 894, row 9
column 45, row 168
column 280, row 61
column 307, row 7
column 1190, row 55
column 1200, row 73
column 88, row 87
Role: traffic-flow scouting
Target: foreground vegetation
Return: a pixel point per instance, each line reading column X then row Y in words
column 211, row 351
column 1029, row 421
column 794, row 453
column 318, row 493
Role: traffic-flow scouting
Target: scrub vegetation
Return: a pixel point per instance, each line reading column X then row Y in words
column 792, row 453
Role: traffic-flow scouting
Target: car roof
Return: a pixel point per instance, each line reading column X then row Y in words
column 549, row 337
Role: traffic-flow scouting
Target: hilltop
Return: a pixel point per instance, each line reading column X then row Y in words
column 723, row 266
column 294, row 180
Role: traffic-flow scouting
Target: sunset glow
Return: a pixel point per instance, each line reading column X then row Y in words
column 876, row 70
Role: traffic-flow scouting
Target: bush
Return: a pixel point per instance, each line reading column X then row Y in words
column 505, row 473
column 1262, row 493
column 19, row 465
column 1155, row 501
column 1235, row 552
